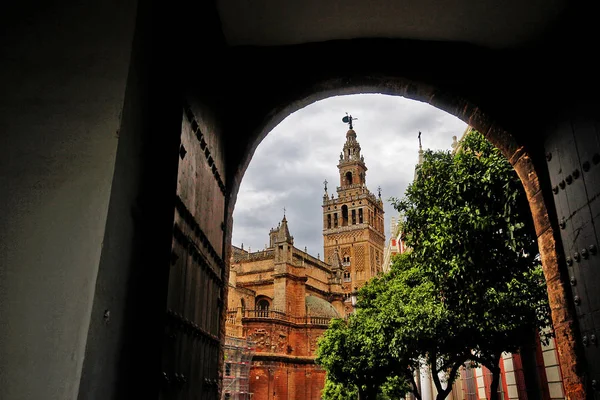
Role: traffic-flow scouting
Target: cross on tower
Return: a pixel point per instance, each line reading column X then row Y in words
column 283, row 211
column 325, row 183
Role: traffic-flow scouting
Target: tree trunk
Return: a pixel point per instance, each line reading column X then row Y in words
column 416, row 390
column 442, row 394
column 495, row 379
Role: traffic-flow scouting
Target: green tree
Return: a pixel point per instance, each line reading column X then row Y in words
column 356, row 359
column 409, row 314
column 472, row 238
column 338, row 391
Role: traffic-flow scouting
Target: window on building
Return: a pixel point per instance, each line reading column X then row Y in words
column 360, row 215
column 328, row 221
column 227, row 369
column 348, row 178
column 353, row 217
column 344, row 215
column 335, row 220
column 262, row 308
column 469, row 383
column 347, row 276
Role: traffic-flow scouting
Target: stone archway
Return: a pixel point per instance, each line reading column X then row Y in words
column 516, row 152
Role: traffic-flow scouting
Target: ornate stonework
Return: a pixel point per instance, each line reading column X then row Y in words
column 353, row 221
column 359, row 256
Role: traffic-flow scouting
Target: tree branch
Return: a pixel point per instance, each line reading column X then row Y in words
column 453, row 371
column 415, row 388
column 434, row 374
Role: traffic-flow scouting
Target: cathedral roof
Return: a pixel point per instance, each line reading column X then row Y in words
column 316, row 306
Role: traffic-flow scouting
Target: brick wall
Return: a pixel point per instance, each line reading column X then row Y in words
column 277, row 380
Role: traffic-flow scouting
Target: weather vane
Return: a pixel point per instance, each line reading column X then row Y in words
column 348, row 120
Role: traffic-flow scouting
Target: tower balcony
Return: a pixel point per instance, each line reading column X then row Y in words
column 352, row 186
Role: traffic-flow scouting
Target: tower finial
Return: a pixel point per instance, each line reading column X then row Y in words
column 379, row 191
column 325, row 183
column 283, row 212
column 420, row 147
column 348, row 120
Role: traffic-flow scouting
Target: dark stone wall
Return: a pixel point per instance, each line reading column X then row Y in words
column 64, row 75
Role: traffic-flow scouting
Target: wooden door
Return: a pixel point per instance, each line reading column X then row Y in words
column 196, row 280
column 573, row 159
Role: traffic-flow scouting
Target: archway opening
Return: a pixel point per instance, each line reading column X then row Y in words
column 505, row 142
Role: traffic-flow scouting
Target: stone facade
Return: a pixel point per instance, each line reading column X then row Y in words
column 282, row 299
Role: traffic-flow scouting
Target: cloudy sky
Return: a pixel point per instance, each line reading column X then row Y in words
column 291, row 163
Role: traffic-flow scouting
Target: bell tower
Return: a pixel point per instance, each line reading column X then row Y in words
column 353, row 224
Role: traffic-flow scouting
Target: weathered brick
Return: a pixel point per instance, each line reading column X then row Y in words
column 526, row 170
column 504, row 141
column 539, row 213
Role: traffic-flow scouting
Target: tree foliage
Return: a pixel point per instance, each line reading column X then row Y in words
column 338, row 391
column 357, row 361
column 470, row 288
column 470, row 228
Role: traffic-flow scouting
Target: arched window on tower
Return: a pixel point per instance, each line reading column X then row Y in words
column 335, row 220
column 347, row 276
column 360, row 216
column 344, row 215
column 328, row 221
column 348, row 178
column 346, row 260
column 353, row 217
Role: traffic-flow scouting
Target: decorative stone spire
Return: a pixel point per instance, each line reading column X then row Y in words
column 420, row 156
column 353, row 170
column 284, row 233
column 420, row 150
column 351, row 151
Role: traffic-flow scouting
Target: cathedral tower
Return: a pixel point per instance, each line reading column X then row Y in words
column 353, row 222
